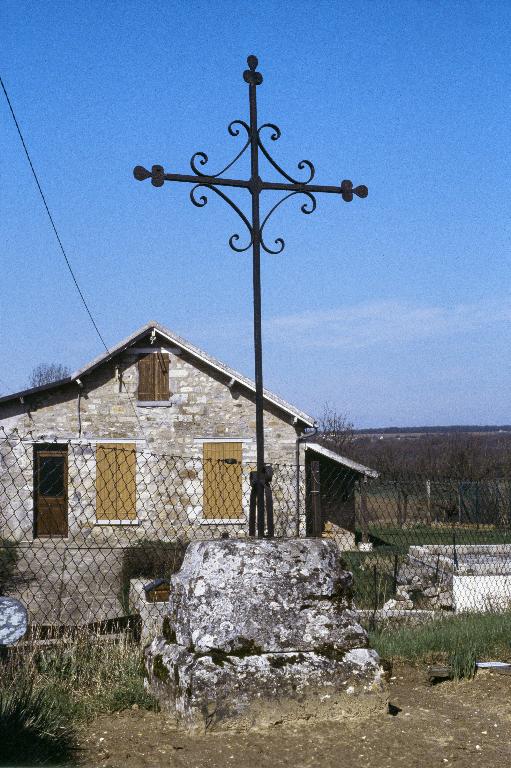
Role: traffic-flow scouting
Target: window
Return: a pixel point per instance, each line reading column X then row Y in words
column 153, row 377
column 116, row 492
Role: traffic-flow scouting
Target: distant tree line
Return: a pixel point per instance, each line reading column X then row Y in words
column 451, row 452
column 433, row 430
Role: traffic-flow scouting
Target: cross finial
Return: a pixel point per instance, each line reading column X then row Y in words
column 250, row 75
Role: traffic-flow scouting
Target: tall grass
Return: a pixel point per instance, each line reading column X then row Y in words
column 48, row 687
column 33, row 727
column 459, row 641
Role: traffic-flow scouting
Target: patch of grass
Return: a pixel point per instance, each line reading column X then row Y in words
column 399, row 538
column 458, row 640
column 48, row 688
column 373, row 577
column 93, row 674
column 34, row 729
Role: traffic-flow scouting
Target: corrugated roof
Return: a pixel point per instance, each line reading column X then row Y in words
column 183, row 344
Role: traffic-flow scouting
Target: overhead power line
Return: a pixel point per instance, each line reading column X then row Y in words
column 68, row 264
column 43, row 198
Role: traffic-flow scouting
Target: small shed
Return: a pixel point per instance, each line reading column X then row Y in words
column 339, row 478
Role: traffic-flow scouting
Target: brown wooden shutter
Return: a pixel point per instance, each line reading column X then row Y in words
column 126, row 481
column 161, row 376
column 146, row 383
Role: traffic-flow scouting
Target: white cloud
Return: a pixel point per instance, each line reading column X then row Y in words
column 385, row 323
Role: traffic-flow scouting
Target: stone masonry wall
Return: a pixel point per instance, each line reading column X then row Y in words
column 202, row 406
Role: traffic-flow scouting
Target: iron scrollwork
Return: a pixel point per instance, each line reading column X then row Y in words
column 279, row 241
column 275, row 136
column 201, row 200
column 203, row 159
column 200, row 159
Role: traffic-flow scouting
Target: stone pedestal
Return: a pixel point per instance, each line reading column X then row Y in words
column 262, row 632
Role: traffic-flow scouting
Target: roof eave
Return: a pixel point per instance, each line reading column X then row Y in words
column 35, row 390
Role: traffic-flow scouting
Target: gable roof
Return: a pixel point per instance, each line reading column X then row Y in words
column 349, row 463
column 184, row 345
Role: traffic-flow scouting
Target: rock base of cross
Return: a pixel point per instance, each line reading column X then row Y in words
column 262, row 632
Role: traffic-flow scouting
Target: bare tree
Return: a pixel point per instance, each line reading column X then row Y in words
column 455, row 455
column 45, row 373
column 335, row 430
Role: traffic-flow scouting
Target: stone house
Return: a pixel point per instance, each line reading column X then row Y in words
column 154, row 394
column 149, row 444
column 137, row 444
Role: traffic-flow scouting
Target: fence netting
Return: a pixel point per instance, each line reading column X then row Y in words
column 93, row 531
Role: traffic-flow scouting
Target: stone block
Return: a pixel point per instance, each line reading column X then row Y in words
column 239, row 692
column 152, row 615
column 261, row 632
column 267, row 595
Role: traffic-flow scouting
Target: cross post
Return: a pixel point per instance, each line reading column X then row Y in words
column 261, row 499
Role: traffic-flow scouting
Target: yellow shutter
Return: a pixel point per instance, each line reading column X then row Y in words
column 222, row 481
column 115, row 481
column 126, row 482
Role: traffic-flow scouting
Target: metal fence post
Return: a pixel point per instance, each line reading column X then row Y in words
column 363, row 509
column 317, row 527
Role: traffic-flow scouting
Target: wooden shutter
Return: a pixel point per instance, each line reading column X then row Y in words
column 116, row 481
column 161, row 376
column 212, row 504
column 153, row 377
column 146, row 378
column 222, row 481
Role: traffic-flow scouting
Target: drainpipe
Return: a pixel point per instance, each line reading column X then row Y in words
column 299, row 440
column 78, row 406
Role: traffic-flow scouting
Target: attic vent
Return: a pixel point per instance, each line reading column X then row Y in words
column 153, row 377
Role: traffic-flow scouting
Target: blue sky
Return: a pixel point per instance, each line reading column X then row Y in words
column 395, row 310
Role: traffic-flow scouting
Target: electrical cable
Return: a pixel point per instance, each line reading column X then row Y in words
column 51, row 217
column 68, row 264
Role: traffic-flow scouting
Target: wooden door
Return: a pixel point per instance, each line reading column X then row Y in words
column 116, row 492
column 50, row 493
column 223, row 496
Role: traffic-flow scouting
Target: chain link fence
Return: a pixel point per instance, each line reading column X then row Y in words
column 90, row 532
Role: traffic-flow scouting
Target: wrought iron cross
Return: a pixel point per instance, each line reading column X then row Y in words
column 260, row 480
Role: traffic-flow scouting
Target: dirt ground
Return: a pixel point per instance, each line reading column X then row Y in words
column 465, row 724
